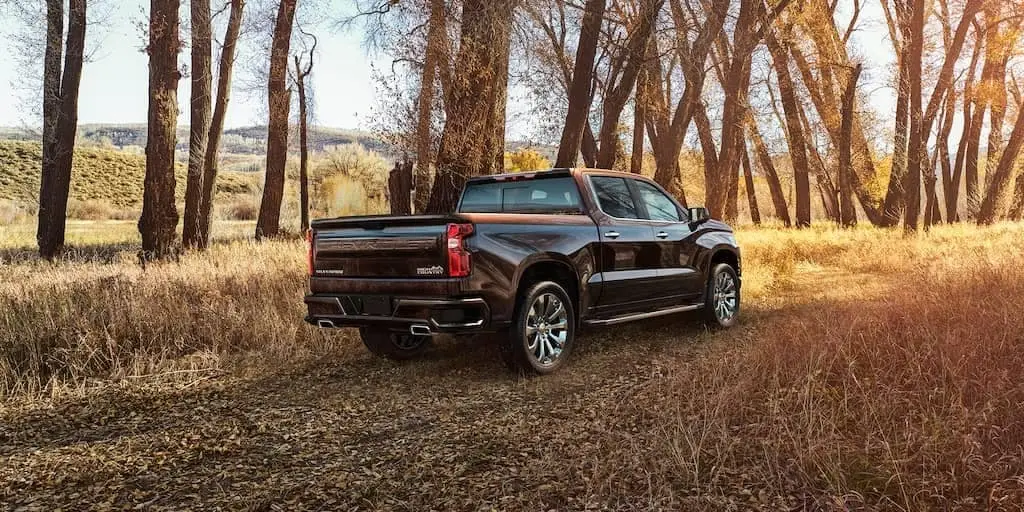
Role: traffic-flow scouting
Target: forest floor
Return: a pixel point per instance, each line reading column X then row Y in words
column 869, row 371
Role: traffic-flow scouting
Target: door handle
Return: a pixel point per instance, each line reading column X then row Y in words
column 662, row 234
column 612, row 234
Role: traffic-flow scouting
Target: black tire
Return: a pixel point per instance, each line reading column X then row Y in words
column 540, row 327
column 719, row 310
column 397, row 346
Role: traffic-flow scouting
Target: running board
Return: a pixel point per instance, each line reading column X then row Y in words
column 642, row 316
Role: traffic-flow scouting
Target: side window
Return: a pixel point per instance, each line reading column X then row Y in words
column 614, row 197
column 659, row 206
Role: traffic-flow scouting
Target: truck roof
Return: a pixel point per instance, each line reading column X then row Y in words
column 550, row 173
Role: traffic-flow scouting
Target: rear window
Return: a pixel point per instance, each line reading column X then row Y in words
column 546, row 195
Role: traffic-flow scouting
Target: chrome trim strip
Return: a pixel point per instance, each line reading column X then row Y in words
column 348, row 245
column 477, row 323
column 642, row 316
column 441, row 302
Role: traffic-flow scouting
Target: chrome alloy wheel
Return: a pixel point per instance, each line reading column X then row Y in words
column 547, row 328
column 725, row 297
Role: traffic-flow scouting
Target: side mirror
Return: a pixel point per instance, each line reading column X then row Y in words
column 698, row 215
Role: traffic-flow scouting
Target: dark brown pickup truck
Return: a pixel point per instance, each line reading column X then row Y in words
column 531, row 256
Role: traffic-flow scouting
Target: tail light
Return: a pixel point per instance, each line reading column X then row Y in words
column 309, row 251
column 458, row 256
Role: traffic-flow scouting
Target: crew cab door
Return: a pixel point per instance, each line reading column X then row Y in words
column 678, row 277
column 628, row 253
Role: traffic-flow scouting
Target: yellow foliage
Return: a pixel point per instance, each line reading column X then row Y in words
column 526, row 159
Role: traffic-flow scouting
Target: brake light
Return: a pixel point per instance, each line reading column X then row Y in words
column 458, row 256
column 309, row 251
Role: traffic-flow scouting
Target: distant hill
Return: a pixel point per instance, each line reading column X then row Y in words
column 108, row 175
column 250, row 140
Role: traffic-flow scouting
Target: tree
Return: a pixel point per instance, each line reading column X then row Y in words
column 916, row 151
column 817, row 22
column 279, row 104
column 624, row 70
column 951, row 187
column 300, row 78
column 893, row 204
column 473, row 139
column 770, row 174
column 667, row 133
column 998, row 194
column 580, row 95
column 436, row 58
column 748, row 181
column 227, row 64
column 199, row 129
column 60, row 120
column 159, row 219
column 794, row 130
column 636, row 160
column 847, row 213
column 751, row 24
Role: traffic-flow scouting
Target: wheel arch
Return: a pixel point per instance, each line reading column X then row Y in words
column 547, row 268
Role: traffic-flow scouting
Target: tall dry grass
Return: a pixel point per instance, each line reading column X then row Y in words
column 888, row 379
column 871, row 371
column 74, row 324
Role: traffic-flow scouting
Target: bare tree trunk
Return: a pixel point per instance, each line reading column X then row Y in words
column 473, row 139
column 707, row 145
column 300, row 81
column 60, row 121
column 159, row 219
column 588, row 148
column 202, row 87
column 579, row 90
column 943, row 157
column 916, row 149
column 998, row 194
column 847, row 212
column 279, row 103
column 636, row 162
column 794, row 132
column 894, row 200
column 436, row 56
column 770, row 175
column 748, row 181
column 220, row 108
column 1017, row 210
column 400, row 188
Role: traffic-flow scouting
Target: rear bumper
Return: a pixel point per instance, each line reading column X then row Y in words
column 463, row 315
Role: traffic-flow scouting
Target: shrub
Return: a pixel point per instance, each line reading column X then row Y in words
column 12, row 212
column 238, row 208
column 89, row 209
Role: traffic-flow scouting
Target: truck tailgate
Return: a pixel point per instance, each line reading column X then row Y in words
column 381, row 246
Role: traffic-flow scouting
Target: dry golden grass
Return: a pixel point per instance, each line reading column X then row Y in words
column 870, row 371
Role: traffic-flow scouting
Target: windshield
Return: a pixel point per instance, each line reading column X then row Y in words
column 538, row 195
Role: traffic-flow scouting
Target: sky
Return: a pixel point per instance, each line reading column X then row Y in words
column 114, row 82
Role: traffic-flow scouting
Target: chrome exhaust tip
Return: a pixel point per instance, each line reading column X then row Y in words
column 420, row 330
column 325, row 324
